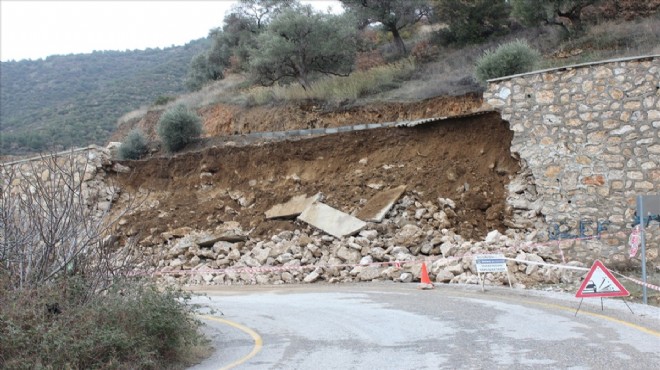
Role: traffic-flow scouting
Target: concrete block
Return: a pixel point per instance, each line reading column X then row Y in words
column 331, row 221
column 293, row 207
column 381, row 203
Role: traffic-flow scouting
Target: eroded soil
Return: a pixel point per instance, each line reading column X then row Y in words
column 467, row 160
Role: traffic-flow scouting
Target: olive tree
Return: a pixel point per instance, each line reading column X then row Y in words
column 231, row 43
column 565, row 13
column 472, row 21
column 300, row 43
column 394, row 15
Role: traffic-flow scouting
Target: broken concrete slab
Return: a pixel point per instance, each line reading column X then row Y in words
column 331, row 221
column 292, row 208
column 381, row 203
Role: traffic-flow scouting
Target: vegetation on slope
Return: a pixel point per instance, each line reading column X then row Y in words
column 266, row 42
column 68, row 295
column 74, row 100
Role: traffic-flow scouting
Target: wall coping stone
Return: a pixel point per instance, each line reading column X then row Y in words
column 573, row 66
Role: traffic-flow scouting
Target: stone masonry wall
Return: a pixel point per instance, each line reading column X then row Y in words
column 87, row 165
column 590, row 136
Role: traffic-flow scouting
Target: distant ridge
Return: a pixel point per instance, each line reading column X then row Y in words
column 75, row 100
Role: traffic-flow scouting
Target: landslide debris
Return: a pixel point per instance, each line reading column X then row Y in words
column 466, row 159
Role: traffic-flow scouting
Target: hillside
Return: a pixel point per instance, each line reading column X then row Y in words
column 75, row 100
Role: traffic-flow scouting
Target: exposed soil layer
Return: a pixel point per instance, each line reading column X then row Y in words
column 467, row 160
column 224, row 119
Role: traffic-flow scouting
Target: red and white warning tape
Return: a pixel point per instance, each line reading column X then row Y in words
column 639, row 282
column 525, row 246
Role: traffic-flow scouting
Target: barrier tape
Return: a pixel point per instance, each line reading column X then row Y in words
column 397, row 264
column 524, row 247
column 567, row 267
column 639, row 282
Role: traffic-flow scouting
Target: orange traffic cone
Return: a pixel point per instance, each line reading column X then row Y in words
column 426, row 281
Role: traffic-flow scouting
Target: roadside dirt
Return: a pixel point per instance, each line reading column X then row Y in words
column 225, row 119
column 467, row 160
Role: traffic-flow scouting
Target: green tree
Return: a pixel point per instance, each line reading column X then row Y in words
column 508, row 59
column 473, row 21
column 565, row 13
column 134, row 145
column 260, row 12
column 299, row 43
column 202, row 70
column 178, row 127
column 394, row 15
column 231, row 43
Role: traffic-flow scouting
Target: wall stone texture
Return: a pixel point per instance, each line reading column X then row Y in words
column 88, row 166
column 589, row 136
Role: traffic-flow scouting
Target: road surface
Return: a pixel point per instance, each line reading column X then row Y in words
column 396, row 326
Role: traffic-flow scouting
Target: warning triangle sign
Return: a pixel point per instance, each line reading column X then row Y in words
column 600, row 283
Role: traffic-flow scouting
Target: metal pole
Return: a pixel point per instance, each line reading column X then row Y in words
column 642, row 216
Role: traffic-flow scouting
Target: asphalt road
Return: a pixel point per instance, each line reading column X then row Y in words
column 396, row 326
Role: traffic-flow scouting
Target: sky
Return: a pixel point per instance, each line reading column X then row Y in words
column 36, row 29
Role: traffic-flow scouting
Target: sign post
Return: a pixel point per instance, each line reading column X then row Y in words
column 647, row 206
column 491, row 263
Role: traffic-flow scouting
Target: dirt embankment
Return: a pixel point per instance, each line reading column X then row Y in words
column 224, row 119
column 467, row 160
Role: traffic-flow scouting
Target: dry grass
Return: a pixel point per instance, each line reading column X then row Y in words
column 132, row 115
column 335, row 88
column 613, row 39
column 210, row 94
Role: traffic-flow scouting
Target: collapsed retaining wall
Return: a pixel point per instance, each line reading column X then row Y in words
column 590, row 137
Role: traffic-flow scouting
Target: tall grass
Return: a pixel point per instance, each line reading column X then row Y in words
column 337, row 88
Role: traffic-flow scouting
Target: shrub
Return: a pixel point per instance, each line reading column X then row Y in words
column 369, row 59
column 134, row 145
column 178, row 127
column 424, row 52
column 132, row 325
column 508, row 59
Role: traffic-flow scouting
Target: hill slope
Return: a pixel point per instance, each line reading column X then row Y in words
column 75, row 100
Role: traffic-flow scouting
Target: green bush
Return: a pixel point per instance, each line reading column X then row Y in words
column 508, row 59
column 134, row 145
column 178, row 127
column 134, row 325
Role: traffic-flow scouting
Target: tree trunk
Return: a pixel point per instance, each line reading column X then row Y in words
column 398, row 41
column 304, row 82
column 302, row 75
